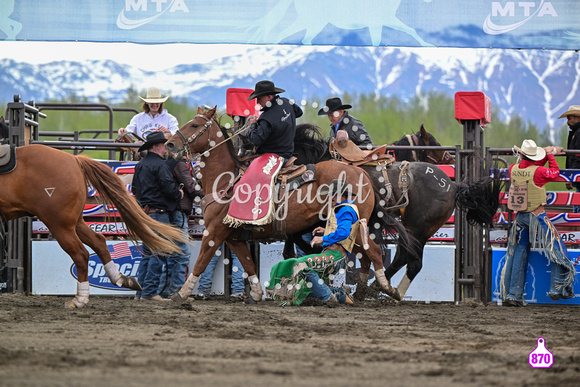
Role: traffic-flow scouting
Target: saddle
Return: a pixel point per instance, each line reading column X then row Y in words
column 343, row 148
column 7, row 158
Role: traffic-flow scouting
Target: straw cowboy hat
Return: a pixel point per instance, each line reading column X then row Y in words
column 264, row 88
column 333, row 104
column 154, row 138
column 154, row 96
column 574, row 110
column 531, row 150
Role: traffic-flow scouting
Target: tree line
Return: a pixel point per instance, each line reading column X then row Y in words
column 387, row 119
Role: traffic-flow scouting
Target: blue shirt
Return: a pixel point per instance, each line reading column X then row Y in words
column 345, row 218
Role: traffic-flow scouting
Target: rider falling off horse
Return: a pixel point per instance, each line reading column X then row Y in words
column 293, row 280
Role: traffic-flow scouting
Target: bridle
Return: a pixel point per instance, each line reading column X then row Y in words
column 194, row 137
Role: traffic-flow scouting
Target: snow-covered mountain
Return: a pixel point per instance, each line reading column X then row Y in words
column 537, row 85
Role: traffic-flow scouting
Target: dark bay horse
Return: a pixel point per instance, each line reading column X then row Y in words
column 305, row 205
column 52, row 185
column 432, row 197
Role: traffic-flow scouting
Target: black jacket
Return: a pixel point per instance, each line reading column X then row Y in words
column 153, row 184
column 182, row 175
column 275, row 129
column 359, row 136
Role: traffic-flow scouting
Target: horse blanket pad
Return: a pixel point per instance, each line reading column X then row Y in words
column 253, row 199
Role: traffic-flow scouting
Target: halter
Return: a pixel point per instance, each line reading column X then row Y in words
column 194, row 137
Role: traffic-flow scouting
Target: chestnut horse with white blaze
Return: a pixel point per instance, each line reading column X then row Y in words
column 52, row 185
column 203, row 135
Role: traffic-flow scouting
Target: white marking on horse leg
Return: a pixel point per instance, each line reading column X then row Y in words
column 82, row 297
column 255, row 288
column 404, row 285
column 113, row 273
column 188, row 286
column 382, row 279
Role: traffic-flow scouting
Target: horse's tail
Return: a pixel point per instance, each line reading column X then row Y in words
column 141, row 227
column 479, row 200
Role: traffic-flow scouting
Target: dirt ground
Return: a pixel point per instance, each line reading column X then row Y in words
column 123, row 342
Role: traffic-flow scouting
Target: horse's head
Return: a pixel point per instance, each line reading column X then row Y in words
column 198, row 135
column 432, row 156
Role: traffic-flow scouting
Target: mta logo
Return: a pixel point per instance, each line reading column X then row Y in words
column 516, row 14
column 145, row 11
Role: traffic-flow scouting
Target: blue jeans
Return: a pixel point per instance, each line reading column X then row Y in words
column 321, row 290
column 517, row 264
column 306, row 237
column 206, row 278
column 151, row 266
column 176, row 264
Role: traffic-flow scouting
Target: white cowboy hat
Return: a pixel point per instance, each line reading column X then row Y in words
column 574, row 110
column 531, row 150
column 154, row 96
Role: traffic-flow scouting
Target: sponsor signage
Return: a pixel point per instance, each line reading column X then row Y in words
column 539, row 24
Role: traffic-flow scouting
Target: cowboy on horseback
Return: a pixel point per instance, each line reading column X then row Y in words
column 274, row 130
column 341, row 120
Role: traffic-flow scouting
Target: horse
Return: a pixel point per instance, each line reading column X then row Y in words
column 218, row 163
column 52, row 185
column 432, row 197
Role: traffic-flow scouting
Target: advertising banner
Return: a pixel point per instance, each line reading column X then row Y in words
column 539, row 24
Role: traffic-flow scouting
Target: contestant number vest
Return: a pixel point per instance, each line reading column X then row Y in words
column 524, row 194
column 332, row 225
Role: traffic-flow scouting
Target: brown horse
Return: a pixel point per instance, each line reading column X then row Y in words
column 204, row 136
column 52, row 185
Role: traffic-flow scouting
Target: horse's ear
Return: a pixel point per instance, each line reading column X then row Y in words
column 199, row 110
column 423, row 132
column 211, row 112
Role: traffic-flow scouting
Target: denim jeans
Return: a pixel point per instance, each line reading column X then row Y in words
column 517, row 264
column 176, row 268
column 321, row 290
column 206, row 278
column 306, row 237
column 151, row 266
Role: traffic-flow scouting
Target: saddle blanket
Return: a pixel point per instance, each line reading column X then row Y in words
column 7, row 158
column 253, row 199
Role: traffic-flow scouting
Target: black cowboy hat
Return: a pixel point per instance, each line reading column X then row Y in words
column 332, row 104
column 264, row 88
column 157, row 137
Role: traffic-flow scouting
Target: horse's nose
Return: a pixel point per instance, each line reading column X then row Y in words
column 170, row 146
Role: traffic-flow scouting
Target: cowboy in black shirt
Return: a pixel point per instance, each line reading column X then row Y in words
column 341, row 120
column 274, row 130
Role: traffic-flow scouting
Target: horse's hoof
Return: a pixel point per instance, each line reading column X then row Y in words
column 250, row 301
column 176, row 297
column 131, row 283
column 70, row 305
column 75, row 305
column 394, row 293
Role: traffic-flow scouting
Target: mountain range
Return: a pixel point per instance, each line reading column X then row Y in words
column 534, row 84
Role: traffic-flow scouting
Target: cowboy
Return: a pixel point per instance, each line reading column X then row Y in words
column 157, row 193
column 527, row 196
column 341, row 120
column 274, row 130
column 312, row 272
column 153, row 118
column 573, row 161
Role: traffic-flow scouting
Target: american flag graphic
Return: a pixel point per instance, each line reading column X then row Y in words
column 120, row 250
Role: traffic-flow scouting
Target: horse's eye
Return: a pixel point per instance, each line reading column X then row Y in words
column 194, row 126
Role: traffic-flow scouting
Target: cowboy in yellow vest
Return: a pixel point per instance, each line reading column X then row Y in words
column 527, row 196
column 295, row 279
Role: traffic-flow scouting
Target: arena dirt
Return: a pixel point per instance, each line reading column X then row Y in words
column 123, row 342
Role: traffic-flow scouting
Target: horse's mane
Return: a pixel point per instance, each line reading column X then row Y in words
column 310, row 146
